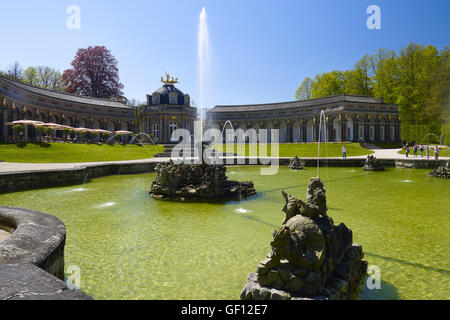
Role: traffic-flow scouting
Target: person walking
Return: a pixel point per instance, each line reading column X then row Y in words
column 421, row 150
column 344, row 152
column 415, row 150
column 436, row 152
column 428, row 152
column 407, row 150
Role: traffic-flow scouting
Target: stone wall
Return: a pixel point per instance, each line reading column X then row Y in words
column 12, row 182
column 32, row 258
column 419, row 164
column 359, row 162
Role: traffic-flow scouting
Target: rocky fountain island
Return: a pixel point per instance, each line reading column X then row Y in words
column 194, row 182
column 311, row 258
column 442, row 172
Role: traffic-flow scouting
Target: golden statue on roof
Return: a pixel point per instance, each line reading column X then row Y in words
column 169, row 81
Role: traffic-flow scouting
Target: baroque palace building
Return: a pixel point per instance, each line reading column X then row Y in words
column 19, row 101
column 167, row 109
column 347, row 118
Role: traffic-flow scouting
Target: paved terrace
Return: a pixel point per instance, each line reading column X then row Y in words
column 9, row 167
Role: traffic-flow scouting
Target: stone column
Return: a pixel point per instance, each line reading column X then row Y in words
column 356, row 130
column 388, row 131
column 2, row 125
column 343, row 125
column 329, row 136
column 315, row 131
column 397, row 132
column 162, row 129
column 301, row 138
column 366, row 130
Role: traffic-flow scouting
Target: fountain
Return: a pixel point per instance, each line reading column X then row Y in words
column 322, row 115
column 203, row 54
column 135, row 137
column 442, row 172
column 223, row 130
column 184, row 182
column 311, row 258
column 372, row 164
column 296, row 164
column 432, row 135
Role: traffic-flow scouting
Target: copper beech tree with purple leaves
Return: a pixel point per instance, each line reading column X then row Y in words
column 94, row 74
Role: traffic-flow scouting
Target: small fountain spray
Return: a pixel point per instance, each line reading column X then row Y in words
column 142, row 134
column 228, row 122
column 432, row 135
column 322, row 116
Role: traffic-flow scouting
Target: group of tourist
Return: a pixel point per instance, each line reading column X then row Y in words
column 421, row 148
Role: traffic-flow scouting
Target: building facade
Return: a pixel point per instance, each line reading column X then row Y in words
column 19, row 101
column 346, row 118
column 167, row 110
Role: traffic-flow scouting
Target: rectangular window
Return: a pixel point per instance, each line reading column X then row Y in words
column 155, row 130
column 382, row 133
column 361, row 132
column 392, row 133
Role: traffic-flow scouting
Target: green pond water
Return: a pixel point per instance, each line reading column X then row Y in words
column 130, row 246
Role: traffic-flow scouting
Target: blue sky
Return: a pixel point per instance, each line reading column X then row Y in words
column 261, row 50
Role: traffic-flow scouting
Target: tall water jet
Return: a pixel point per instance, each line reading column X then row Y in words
column 203, row 54
column 322, row 116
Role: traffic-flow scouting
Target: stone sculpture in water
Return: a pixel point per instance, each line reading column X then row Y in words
column 310, row 257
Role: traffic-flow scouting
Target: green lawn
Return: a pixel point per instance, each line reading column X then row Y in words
column 302, row 150
column 67, row 152
column 442, row 152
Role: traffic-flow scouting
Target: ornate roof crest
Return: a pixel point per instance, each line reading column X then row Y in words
column 169, row 81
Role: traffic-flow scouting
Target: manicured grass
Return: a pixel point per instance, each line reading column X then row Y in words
column 68, row 152
column 442, row 153
column 301, row 149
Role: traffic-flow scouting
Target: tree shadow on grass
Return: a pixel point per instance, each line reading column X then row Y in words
column 386, row 292
column 412, row 264
column 23, row 145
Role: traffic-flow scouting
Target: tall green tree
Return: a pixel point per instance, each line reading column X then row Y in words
column 417, row 79
column 329, row 84
column 49, row 78
column 384, row 69
column 360, row 79
column 418, row 105
column 304, row 91
column 442, row 92
column 30, row 76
